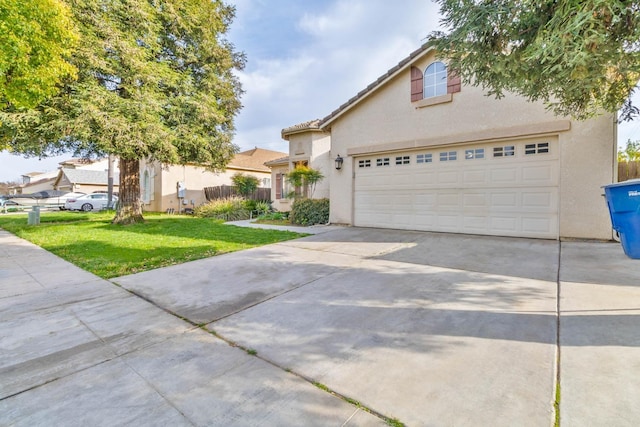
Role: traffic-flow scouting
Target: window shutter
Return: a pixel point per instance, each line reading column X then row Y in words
column 453, row 81
column 416, row 84
column 278, row 186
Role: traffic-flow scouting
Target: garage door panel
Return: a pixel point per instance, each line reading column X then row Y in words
column 537, row 225
column 504, row 199
column 475, row 200
column 448, row 177
column 448, row 200
column 538, row 175
column 425, row 220
column 540, row 200
column 447, row 222
column 503, row 224
column 475, row 224
column 504, row 175
column 515, row 195
column 475, row 177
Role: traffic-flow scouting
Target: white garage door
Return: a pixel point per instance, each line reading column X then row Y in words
column 503, row 189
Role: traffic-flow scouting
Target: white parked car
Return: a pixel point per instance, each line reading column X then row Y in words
column 88, row 202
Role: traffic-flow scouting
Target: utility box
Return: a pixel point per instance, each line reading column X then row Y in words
column 623, row 200
column 182, row 189
column 34, row 216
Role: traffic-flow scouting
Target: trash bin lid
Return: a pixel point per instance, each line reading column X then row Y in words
column 623, row 183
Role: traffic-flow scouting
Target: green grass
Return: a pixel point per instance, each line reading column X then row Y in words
column 91, row 242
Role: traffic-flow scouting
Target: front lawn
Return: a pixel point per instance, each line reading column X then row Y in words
column 91, row 242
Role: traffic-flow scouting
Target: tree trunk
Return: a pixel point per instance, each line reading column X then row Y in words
column 129, row 203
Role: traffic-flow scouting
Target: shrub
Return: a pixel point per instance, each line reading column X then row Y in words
column 310, row 211
column 259, row 206
column 263, row 207
column 274, row 216
column 245, row 184
column 229, row 209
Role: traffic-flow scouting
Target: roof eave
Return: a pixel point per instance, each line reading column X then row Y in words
column 325, row 123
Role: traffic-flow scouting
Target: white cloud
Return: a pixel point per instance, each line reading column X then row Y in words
column 328, row 54
column 341, row 17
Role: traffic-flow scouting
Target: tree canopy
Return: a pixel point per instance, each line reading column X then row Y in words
column 578, row 57
column 155, row 80
column 630, row 153
column 37, row 38
column 246, row 184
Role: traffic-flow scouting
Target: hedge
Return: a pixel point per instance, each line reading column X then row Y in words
column 310, row 211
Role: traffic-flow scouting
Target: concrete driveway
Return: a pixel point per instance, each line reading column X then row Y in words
column 424, row 328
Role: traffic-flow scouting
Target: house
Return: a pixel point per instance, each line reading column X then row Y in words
column 60, row 180
column 421, row 151
column 159, row 185
column 34, row 182
column 84, row 180
column 309, row 146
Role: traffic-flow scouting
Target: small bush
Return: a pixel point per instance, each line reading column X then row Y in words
column 274, row 216
column 310, row 211
column 229, row 209
column 263, row 207
column 259, row 206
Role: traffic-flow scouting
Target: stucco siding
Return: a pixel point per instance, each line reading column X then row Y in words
column 388, row 117
column 195, row 179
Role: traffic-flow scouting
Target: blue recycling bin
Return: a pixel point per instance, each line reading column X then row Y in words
column 623, row 200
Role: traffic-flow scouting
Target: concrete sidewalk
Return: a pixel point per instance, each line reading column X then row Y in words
column 77, row 350
column 426, row 328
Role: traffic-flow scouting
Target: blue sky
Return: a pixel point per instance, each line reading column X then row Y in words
column 306, row 58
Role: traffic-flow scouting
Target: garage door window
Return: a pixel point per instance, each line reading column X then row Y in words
column 424, row 158
column 403, row 160
column 540, row 148
column 382, row 162
column 448, row 156
column 477, row 153
column 506, row 151
column 364, row 163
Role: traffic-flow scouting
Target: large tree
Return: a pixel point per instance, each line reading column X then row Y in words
column 37, row 36
column 155, row 80
column 579, row 57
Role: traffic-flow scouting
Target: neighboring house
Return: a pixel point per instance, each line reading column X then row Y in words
column 309, row 146
column 159, row 185
column 423, row 152
column 34, row 182
column 45, row 181
column 84, row 180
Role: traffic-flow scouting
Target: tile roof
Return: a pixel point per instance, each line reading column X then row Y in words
column 310, row 125
column 254, row 159
column 79, row 161
column 376, row 84
column 280, row 161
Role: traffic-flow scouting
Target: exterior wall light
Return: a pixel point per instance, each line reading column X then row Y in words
column 339, row 161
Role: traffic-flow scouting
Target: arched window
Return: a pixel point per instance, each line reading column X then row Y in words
column 435, row 80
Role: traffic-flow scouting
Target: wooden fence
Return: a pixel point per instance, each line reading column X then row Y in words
column 224, row 191
column 628, row 170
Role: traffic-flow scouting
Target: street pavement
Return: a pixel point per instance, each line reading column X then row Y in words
column 349, row 326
